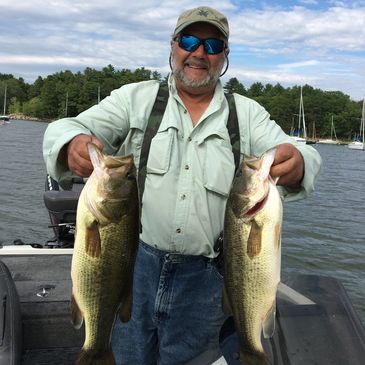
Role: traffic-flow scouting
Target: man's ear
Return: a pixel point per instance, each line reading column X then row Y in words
column 226, row 51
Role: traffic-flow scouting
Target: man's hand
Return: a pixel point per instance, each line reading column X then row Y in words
column 288, row 165
column 75, row 155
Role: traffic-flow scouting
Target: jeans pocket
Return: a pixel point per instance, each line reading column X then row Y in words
column 217, row 271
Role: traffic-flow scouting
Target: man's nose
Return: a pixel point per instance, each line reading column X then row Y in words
column 200, row 51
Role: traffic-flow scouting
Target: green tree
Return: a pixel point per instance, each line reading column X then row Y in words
column 234, row 86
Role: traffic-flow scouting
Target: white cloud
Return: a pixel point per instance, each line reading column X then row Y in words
column 282, row 44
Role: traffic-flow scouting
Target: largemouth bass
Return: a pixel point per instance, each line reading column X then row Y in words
column 252, row 249
column 107, row 228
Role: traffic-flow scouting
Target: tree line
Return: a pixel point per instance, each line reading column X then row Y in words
column 67, row 94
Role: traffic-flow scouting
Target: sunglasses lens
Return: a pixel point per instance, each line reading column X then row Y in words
column 213, row 45
column 189, row 43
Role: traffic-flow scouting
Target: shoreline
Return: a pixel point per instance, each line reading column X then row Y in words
column 27, row 118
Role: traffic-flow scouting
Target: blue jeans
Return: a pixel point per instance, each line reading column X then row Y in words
column 176, row 313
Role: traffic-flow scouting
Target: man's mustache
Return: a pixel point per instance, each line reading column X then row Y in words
column 196, row 62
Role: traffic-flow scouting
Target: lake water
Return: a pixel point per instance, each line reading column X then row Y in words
column 323, row 234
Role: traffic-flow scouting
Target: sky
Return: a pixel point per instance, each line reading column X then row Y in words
column 319, row 43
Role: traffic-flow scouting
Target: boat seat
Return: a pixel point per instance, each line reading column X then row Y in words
column 61, row 201
column 61, row 198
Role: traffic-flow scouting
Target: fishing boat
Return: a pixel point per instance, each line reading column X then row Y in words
column 358, row 143
column 315, row 320
column 299, row 133
column 333, row 139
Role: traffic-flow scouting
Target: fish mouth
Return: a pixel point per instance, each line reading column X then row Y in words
column 256, row 208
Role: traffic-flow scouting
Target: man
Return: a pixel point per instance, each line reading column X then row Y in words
column 177, row 311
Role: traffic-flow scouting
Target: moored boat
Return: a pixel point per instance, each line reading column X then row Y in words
column 4, row 117
column 333, row 139
column 358, row 143
column 299, row 134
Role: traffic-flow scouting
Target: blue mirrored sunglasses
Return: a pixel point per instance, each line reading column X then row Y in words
column 190, row 43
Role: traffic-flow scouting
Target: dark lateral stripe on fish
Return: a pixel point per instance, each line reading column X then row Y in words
column 254, row 240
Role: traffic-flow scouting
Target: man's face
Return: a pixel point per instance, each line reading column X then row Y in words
column 197, row 69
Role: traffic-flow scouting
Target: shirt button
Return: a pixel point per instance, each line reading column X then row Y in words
column 185, row 111
column 189, row 139
column 178, row 230
column 187, row 167
column 183, row 196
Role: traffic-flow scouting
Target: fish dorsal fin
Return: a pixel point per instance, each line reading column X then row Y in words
column 266, row 163
column 268, row 326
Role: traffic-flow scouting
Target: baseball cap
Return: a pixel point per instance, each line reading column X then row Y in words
column 202, row 14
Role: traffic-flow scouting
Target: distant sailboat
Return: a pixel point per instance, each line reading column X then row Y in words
column 358, row 144
column 333, row 139
column 297, row 134
column 4, row 117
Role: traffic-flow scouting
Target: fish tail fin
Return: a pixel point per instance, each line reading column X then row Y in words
column 87, row 357
column 76, row 315
column 248, row 358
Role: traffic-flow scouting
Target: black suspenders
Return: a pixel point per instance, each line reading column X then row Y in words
column 154, row 122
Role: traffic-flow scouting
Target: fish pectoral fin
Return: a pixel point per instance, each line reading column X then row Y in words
column 76, row 315
column 254, row 242
column 92, row 240
column 268, row 326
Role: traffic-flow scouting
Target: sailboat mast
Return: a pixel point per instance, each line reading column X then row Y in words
column 5, row 100
column 304, row 127
column 300, row 111
column 363, row 122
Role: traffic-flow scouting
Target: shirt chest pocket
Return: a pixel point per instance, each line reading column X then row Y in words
column 219, row 166
column 159, row 156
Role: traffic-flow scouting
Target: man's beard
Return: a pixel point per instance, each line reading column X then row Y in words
column 210, row 80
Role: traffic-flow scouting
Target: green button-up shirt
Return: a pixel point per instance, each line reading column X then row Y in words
column 189, row 169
